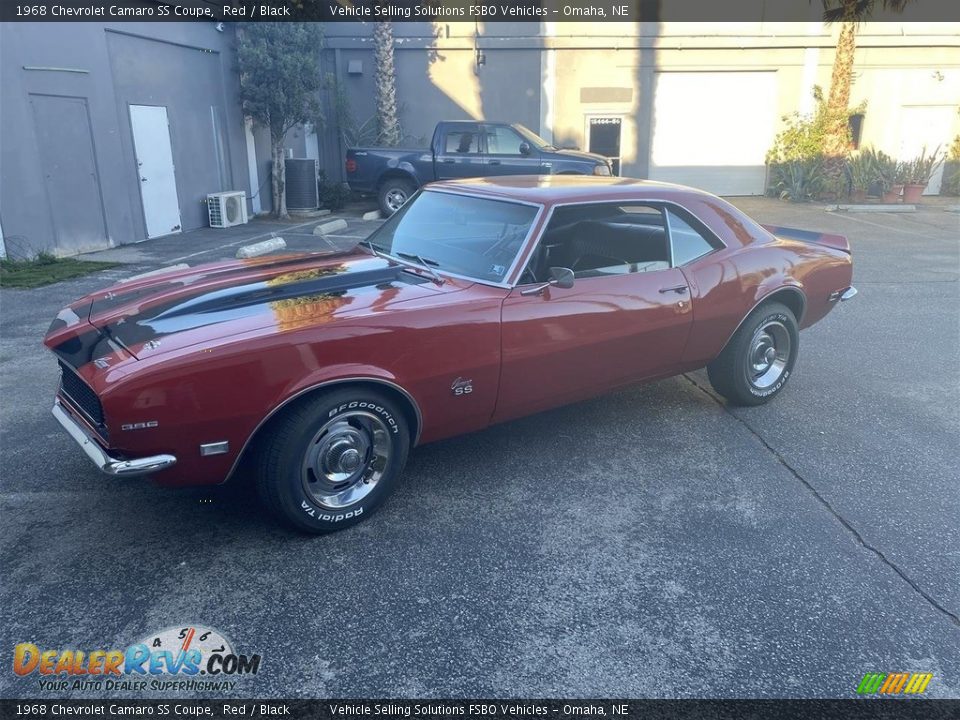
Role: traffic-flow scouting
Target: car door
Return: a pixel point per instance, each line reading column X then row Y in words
column 615, row 326
column 503, row 155
column 460, row 154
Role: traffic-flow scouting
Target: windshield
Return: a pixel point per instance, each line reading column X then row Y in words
column 470, row 236
column 531, row 137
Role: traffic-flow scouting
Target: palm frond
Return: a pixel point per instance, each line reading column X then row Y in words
column 838, row 11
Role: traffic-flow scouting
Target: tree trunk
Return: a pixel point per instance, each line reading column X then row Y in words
column 385, row 80
column 840, row 80
column 836, row 137
column 279, row 179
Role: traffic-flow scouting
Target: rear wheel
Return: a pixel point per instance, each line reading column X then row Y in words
column 394, row 193
column 757, row 362
column 329, row 462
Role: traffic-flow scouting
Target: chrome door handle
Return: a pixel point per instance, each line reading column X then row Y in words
column 494, row 162
column 676, row 288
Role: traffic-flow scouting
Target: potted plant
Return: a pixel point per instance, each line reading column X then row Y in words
column 951, row 170
column 889, row 177
column 919, row 172
column 863, row 172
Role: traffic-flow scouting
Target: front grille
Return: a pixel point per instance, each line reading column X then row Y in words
column 81, row 396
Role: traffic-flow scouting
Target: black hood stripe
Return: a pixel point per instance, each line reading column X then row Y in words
column 261, row 292
column 234, row 303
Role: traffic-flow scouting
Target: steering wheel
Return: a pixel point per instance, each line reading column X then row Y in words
column 506, row 235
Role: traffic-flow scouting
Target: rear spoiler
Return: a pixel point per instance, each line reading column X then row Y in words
column 837, row 242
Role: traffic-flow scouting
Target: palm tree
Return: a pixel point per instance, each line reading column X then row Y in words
column 385, row 80
column 850, row 13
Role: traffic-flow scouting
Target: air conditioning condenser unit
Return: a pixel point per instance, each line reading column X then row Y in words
column 226, row 209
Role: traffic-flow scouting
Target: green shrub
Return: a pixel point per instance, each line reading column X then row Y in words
column 886, row 170
column 921, row 168
column 803, row 138
column 333, row 194
column 863, row 169
column 798, row 180
column 951, row 170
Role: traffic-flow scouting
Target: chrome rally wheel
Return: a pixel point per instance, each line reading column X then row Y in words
column 759, row 359
column 768, row 355
column 331, row 459
column 346, row 459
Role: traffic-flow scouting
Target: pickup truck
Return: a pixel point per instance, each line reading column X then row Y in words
column 462, row 149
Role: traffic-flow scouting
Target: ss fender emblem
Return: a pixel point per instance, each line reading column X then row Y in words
column 462, row 386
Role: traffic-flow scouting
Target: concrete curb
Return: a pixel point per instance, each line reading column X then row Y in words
column 261, row 248
column 873, row 208
column 952, row 208
column 372, row 215
column 329, row 227
column 311, row 213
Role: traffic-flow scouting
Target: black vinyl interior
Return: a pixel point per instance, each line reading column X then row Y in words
column 586, row 243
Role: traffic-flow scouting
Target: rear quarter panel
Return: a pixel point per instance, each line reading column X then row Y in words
column 728, row 284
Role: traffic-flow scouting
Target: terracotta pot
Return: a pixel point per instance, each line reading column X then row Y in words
column 892, row 195
column 912, row 193
column 858, row 196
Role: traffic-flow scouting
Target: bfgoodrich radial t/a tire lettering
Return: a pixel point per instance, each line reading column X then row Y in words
column 329, row 461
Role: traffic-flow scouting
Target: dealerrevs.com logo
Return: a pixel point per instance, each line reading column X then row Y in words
column 191, row 657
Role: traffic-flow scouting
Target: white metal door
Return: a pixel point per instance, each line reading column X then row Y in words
column 158, row 185
column 925, row 127
column 712, row 130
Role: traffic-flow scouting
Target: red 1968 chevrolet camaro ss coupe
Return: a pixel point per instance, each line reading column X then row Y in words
column 479, row 301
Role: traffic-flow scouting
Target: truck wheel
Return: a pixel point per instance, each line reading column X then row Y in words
column 394, row 193
column 331, row 461
column 757, row 362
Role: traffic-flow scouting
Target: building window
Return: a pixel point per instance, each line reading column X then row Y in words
column 856, row 129
column 604, row 139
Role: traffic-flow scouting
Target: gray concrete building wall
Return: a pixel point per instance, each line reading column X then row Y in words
column 69, row 179
column 696, row 103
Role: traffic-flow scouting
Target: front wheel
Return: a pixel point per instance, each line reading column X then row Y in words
column 757, row 362
column 393, row 194
column 329, row 462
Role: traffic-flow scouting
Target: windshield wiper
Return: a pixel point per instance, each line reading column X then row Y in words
column 425, row 263
column 404, row 259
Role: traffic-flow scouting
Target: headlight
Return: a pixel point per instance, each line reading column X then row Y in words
column 601, row 170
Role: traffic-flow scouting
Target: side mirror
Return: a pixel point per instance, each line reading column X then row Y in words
column 560, row 277
column 524, row 148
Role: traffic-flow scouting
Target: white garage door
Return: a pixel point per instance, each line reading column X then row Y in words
column 712, row 130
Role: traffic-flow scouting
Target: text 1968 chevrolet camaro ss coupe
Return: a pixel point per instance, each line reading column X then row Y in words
column 479, row 301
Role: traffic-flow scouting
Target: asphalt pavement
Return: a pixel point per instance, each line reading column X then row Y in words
column 649, row 543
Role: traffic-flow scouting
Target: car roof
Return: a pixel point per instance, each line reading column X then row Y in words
column 562, row 189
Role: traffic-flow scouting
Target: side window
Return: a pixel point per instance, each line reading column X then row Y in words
column 503, row 141
column 463, row 142
column 687, row 243
column 601, row 240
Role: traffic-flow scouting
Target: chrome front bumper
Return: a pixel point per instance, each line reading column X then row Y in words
column 843, row 295
column 106, row 463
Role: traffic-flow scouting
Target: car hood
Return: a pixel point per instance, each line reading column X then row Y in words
column 160, row 313
column 581, row 155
